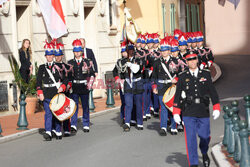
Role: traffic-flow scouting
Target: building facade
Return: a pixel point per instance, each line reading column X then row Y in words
column 95, row 20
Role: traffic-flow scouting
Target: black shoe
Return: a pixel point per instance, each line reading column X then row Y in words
column 86, row 130
column 59, row 137
column 126, row 128
column 47, row 137
column 73, row 131
column 156, row 115
column 139, row 128
column 163, row 132
column 132, row 124
column 206, row 160
column 145, row 119
column 66, row 134
column 180, row 128
column 53, row 134
column 194, row 166
column 173, row 131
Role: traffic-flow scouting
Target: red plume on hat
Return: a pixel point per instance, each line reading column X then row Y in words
column 77, row 42
column 174, row 42
column 48, row 45
column 177, row 33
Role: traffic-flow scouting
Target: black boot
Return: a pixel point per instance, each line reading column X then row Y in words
column 163, row 132
column 206, row 160
column 47, row 137
column 126, row 128
column 73, row 131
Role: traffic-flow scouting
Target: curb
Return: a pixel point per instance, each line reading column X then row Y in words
column 219, row 157
column 18, row 135
column 36, row 130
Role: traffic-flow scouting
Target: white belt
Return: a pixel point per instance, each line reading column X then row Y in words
column 137, row 79
column 80, row 81
column 51, row 85
column 165, row 81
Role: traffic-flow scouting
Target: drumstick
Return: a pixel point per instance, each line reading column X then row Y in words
column 57, row 99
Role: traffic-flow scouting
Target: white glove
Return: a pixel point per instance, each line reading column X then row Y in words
column 209, row 64
column 177, row 118
column 201, row 66
column 216, row 114
column 135, row 68
column 129, row 64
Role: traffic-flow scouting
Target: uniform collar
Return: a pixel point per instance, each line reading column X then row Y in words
column 195, row 72
column 50, row 63
column 166, row 59
column 78, row 59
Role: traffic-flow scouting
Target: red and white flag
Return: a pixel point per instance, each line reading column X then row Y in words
column 54, row 17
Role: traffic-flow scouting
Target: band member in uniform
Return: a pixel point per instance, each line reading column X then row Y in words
column 118, row 74
column 162, row 81
column 64, row 70
column 205, row 53
column 189, row 41
column 195, row 86
column 177, row 34
column 183, row 47
column 49, row 83
column 177, row 65
column 82, row 79
column 147, row 84
column 133, row 89
column 155, row 55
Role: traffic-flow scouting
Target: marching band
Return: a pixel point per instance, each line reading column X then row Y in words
column 168, row 78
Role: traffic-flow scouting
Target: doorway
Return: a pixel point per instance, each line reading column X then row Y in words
column 24, row 25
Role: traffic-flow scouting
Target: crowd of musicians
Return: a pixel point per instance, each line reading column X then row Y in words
column 147, row 69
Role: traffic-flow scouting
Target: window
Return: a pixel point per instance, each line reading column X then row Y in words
column 194, row 16
column 110, row 13
column 164, row 17
column 172, row 18
column 188, row 18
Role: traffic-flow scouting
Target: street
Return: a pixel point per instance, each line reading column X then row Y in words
column 108, row 146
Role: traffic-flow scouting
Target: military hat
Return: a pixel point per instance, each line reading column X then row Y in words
column 77, row 45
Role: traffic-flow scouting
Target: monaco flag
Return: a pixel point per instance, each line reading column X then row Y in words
column 54, row 17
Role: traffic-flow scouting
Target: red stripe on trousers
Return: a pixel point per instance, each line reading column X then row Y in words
column 186, row 144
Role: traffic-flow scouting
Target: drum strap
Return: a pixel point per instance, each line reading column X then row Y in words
column 166, row 70
column 53, row 79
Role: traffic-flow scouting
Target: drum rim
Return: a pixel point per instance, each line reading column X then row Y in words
column 54, row 98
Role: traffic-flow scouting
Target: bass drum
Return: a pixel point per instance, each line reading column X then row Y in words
column 168, row 98
column 62, row 107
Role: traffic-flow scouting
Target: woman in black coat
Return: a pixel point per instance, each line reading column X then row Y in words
column 25, row 58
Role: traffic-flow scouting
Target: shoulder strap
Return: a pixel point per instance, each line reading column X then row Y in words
column 166, row 70
column 52, row 77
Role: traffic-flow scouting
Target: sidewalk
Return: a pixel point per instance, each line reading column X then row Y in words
column 9, row 123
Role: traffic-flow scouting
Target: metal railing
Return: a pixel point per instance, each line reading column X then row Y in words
column 236, row 132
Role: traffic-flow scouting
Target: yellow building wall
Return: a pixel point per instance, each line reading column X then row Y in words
column 148, row 14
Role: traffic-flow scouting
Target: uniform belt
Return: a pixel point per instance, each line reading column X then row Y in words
column 165, row 81
column 79, row 81
column 136, row 79
column 51, row 85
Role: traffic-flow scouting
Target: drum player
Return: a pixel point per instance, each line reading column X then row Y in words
column 162, row 80
column 49, row 83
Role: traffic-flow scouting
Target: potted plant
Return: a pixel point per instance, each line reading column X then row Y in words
column 28, row 89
